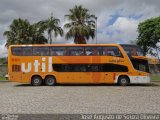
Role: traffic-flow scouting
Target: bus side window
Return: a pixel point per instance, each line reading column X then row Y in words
column 75, row 51
column 58, row 51
column 105, row 51
column 27, row 51
column 112, row 51
column 41, row 51
column 117, row 52
column 36, row 51
column 89, row 51
column 17, row 51
column 99, row 51
column 44, row 51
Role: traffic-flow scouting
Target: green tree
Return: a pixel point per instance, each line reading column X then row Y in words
column 37, row 34
column 81, row 25
column 149, row 34
column 22, row 32
column 50, row 25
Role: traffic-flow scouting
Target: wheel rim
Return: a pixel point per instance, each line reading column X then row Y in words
column 123, row 81
column 36, row 81
column 50, row 81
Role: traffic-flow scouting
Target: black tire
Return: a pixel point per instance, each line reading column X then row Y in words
column 50, row 81
column 36, row 81
column 123, row 81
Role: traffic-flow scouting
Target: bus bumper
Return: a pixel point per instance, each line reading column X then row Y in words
column 139, row 79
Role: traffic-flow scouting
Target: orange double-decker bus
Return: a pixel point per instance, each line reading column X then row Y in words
column 78, row 64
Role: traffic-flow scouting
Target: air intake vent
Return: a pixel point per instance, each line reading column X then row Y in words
column 16, row 68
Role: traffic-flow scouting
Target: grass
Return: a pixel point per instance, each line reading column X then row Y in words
column 2, row 78
column 155, row 77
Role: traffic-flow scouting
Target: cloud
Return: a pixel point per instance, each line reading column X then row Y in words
column 3, row 50
column 124, row 29
column 117, row 19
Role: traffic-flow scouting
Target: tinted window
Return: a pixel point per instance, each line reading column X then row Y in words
column 89, row 68
column 130, row 50
column 90, row 51
column 114, row 68
column 17, row 51
column 41, row 51
column 99, row 50
column 133, row 50
column 93, row 68
column 111, row 51
column 75, row 51
column 139, row 52
column 27, row 51
column 58, row 51
column 16, row 68
column 141, row 65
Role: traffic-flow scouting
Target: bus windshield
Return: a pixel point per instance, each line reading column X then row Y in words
column 132, row 50
column 140, row 64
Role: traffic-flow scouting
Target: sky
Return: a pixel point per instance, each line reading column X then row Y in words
column 117, row 19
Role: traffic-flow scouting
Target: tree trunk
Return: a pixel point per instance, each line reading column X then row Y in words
column 79, row 40
column 50, row 38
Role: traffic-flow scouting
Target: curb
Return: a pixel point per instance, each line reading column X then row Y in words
column 155, row 81
column 4, row 81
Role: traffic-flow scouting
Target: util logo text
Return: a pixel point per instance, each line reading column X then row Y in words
column 37, row 64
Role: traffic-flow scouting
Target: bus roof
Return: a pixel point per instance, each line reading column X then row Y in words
column 27, row 45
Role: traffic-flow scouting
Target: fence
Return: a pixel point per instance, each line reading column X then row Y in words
column 3, row 69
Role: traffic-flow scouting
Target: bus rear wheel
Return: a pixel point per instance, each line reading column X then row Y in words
column 50, row 81
column 36, row 81
column 123, row 80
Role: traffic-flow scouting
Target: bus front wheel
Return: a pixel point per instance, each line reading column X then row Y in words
column 123, row 80
column 50, row 81
column 36, row 81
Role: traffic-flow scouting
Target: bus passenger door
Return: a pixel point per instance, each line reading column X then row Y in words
column 26, row 77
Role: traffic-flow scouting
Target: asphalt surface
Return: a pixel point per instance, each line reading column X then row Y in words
column 18, row 98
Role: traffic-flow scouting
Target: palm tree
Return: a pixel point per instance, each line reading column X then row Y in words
column 22, row 32
column 36, row 33
column 17, row 32
column 81, row 25
column 50, row 25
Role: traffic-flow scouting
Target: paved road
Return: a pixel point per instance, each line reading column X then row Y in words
column 21, row 98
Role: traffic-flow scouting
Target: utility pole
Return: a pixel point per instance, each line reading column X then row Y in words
column 96, row 30
column 50, row 33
